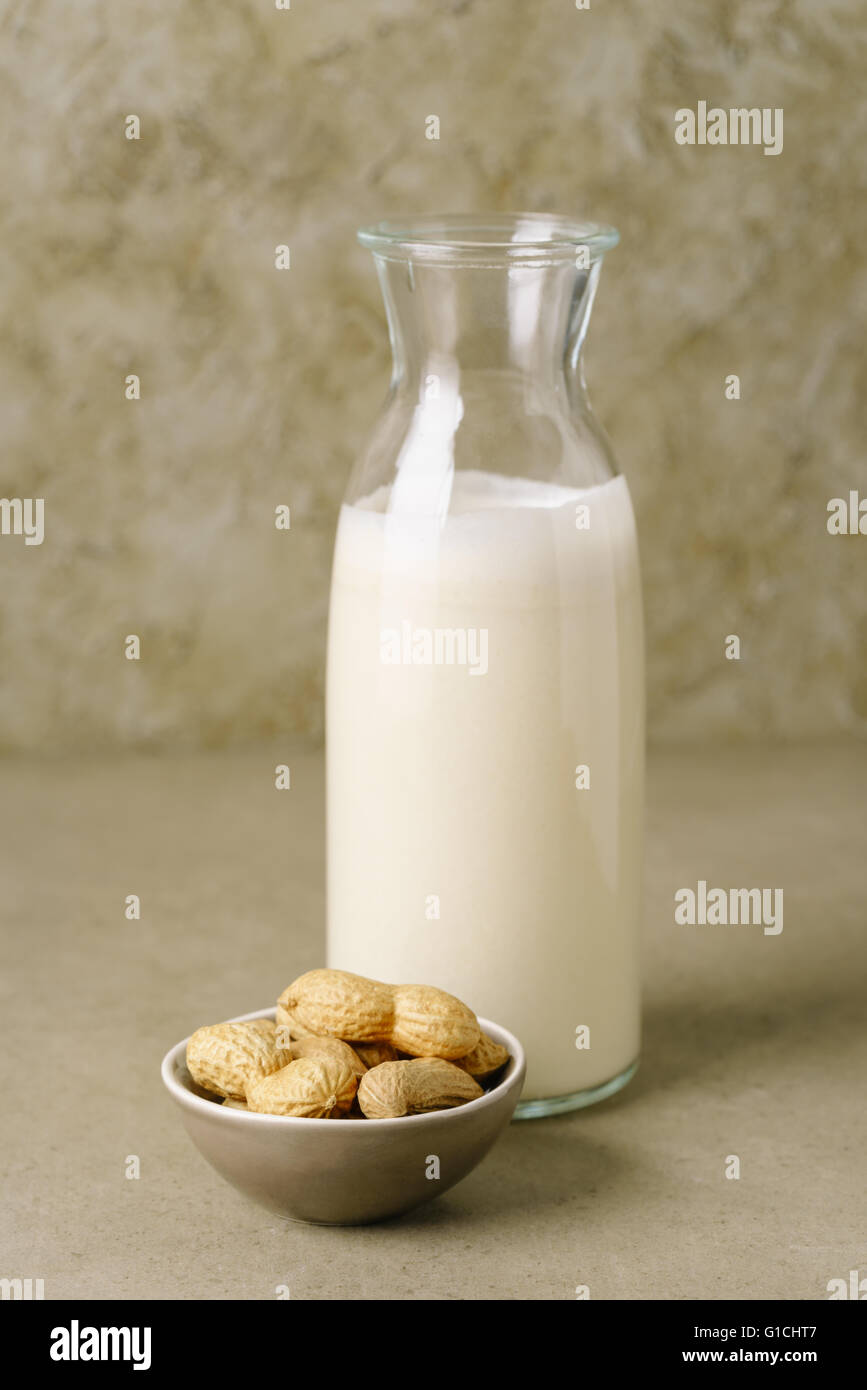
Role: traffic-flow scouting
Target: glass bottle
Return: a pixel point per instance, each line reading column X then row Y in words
column 485, row 693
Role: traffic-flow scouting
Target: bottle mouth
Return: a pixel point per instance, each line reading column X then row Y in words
column 489, row 240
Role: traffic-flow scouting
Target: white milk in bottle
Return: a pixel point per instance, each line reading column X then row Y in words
column 485, row 762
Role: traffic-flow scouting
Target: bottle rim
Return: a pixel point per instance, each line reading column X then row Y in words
column 489, row 240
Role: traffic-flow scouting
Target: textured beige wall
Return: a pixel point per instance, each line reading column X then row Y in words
column 261, row 127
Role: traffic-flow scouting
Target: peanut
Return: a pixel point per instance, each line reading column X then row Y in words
column 410, row 1088
column 372, row 1054
column 430, row 1023
column 485, row 1060
column 312, row 1087
column 327, row 1047
column 223, row 1057
column 266, row 1026
column 418, row 1019
column 288, row 1028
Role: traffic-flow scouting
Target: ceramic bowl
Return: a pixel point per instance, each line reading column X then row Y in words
column 344, row 1172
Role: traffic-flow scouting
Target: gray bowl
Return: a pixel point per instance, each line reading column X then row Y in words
column 344, row 1172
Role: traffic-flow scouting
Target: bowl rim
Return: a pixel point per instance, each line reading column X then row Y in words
column 199, row 1105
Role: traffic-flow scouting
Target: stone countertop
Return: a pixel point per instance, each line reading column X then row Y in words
column 754, row 1046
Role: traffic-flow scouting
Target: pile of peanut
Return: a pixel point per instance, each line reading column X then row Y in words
column 345, row 1046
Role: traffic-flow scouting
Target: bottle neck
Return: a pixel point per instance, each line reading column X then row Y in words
column 452, row 324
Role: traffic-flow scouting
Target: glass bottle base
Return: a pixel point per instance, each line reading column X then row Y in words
column 559, row 1105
